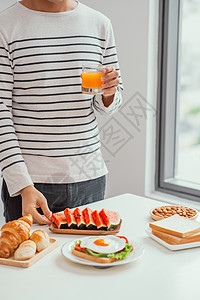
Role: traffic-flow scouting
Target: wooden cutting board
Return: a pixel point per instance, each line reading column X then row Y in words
column 29, row 262
column 54, row 229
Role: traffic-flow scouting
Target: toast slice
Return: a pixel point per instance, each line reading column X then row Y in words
column 173, row 240
column 102, row 260
column 176, row 226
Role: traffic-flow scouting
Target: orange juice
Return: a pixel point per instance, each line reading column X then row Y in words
column 91, row 79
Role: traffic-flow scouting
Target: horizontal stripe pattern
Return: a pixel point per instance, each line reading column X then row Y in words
column 55, row 38
column 62, row 155
column 44, row 113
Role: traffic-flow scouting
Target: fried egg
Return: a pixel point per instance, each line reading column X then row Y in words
column 103, row 244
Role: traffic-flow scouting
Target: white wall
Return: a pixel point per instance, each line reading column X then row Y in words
column 127, row 166
column 6, row 3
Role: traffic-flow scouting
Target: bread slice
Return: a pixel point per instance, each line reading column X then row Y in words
column 102, row 260
column 174, row 240
column 26, row 250
column 41, row 239
column 176, row 226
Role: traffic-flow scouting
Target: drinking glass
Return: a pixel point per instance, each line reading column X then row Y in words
column 91, row 79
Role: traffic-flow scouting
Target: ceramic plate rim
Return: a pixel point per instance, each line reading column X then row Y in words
column 133, row 256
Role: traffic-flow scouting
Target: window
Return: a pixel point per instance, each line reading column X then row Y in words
column 178, row 121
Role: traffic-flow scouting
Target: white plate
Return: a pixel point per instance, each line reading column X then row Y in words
column 169, row 246
column 138, row 251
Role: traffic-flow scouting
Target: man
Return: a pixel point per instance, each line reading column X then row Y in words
column 48, row 130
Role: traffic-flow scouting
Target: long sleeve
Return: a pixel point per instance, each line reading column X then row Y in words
column 110, row 59
column 12, row 163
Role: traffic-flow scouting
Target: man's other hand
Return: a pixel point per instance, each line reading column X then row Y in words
column 33, row 199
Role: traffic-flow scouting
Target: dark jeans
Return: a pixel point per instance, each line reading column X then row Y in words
column 59, row 196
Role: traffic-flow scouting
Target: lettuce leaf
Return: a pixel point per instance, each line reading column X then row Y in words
column 122, row 254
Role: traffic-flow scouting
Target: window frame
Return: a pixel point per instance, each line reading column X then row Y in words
column 167, row 95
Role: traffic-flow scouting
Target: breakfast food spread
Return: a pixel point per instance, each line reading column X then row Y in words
column 86, row 219
column 176, row 230
column 168, row 211
column 103, row 249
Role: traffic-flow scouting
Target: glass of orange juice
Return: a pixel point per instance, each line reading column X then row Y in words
column 91, row 79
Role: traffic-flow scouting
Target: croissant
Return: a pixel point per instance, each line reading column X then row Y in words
column 13, row 234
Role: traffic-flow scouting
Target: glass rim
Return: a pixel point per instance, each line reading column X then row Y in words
column 92, row 66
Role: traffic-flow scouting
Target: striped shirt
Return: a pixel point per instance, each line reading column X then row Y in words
column 48, row 127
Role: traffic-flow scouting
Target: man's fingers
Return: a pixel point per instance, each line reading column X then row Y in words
column 107, row 70
column 38, row 218
column 42, row 221
column 44, row 206
column 110, row 73
column 111, row 83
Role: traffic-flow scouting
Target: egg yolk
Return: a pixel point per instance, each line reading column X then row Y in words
column 101, row 242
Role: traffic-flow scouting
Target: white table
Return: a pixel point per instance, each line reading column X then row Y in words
column 159, row 274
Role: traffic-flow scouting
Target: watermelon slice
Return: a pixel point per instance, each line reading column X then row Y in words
column 79, row 218
column 98, row 220
column 110, row 218
column 60, row 220
column 71, row 222
column 89, row 221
